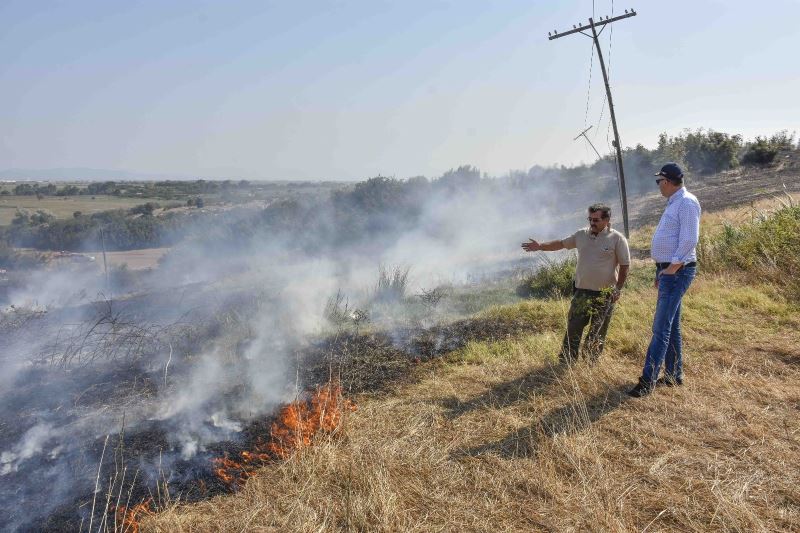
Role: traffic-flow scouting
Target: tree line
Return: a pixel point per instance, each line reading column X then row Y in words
column 356, row 215
column 168, row 189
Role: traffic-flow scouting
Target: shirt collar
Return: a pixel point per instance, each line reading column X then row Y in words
column 605, row 231
column 680, row 193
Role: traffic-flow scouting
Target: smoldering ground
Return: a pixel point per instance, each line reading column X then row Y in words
column 234, row 324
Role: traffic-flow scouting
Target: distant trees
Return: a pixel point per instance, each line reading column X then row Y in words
column 26, row 217
column 41, row 190
column 25, row 189
column 463, row 176
column 68, row 190
column 41, row 230
column 709, row 152
column 700, row 151
column 763, row 150
column 106, row 187
column 364, row 215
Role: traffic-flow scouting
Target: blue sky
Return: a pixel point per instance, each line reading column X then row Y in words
column 352, row 89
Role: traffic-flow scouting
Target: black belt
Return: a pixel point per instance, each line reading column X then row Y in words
column 665, row 265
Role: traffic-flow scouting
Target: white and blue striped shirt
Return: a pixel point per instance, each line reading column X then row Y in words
column 678, row 231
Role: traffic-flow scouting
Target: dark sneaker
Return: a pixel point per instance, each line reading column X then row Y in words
column 642, row 388
column 669, row 381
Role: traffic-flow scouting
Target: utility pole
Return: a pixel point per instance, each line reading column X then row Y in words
column 595, row 34
column 105, row 268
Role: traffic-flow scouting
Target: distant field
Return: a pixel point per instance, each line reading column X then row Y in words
column 135, row 259
column 63, row 206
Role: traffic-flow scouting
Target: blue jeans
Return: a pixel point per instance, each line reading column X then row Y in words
column 665, row 346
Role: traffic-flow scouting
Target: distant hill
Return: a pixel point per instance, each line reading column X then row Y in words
column 86, row 174
column 101, row 174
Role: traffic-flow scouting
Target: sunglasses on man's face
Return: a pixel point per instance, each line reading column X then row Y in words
column 590, row 219
column 659, row 180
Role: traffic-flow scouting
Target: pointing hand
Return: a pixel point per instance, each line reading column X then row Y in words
column 531, row 246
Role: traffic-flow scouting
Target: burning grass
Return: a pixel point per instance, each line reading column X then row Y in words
column 513, row 442
column 294, row 428
column 127, row 520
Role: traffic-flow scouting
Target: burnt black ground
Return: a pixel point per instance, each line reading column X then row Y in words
column 363, row 362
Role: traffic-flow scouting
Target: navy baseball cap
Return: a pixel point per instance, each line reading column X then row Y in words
column 671, row 171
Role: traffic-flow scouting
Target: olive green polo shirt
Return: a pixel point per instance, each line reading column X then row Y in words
column 598, row 257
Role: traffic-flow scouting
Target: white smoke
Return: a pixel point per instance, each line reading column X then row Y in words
column 32, row 443
column 206, row 396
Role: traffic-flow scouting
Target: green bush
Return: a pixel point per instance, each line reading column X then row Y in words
column 553, row 278
column 700, row 151
column 144, row 209
column 768, row 247
column 763, row 150
column 707, row 152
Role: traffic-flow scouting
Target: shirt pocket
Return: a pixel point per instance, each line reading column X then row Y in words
column 670, row 221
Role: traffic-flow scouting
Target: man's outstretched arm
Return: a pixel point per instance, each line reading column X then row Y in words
column 549, row 246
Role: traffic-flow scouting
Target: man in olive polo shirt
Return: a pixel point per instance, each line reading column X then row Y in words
column 603, row 263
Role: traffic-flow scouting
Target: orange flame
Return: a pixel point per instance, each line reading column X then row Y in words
column 129, row 517
column 295, row 427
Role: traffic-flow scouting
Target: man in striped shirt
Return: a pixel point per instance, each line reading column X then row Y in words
column 673, row 249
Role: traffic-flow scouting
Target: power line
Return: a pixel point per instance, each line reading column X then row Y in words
column 603, row 105
column 591, row 63
column 589, row 88
column 610, row 35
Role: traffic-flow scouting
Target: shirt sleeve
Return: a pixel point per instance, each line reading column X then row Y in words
column 689, row 217
column 570, row 242
column 623, row 251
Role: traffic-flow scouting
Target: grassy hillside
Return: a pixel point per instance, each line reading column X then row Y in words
column 497, row 437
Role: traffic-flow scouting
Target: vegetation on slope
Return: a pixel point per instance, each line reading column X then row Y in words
column 355, row 215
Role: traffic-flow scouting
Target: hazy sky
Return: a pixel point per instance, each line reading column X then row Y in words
column 350, row 89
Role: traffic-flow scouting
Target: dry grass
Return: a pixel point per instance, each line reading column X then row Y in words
column 497, row 438
column 63, row 206
column 714, row 221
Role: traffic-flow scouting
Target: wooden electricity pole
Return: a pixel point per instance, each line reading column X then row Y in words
column 593, row 26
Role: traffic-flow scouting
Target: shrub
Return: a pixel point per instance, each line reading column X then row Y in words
column 768, row 247
column 763, row 150
column 700, row 151
column 392, row 283
column 711, row 151
column 553, row 278
column 144, row 209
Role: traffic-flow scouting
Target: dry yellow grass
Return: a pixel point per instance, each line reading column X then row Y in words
column 713, row 221
column 498, row 438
